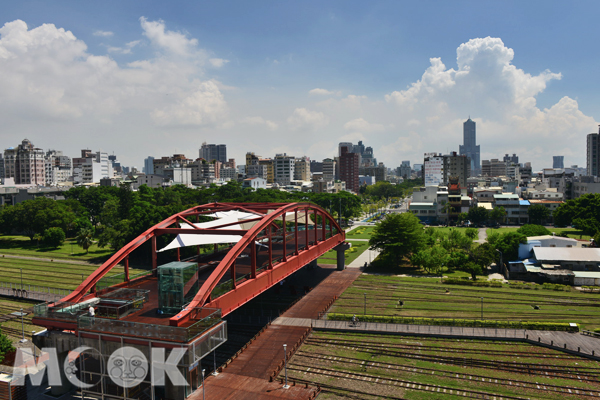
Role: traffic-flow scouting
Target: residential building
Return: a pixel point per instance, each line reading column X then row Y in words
column 585, row 186
column 339, row 186
column 322, row 186
column 433, row 165
column 269, row 163
column 1, row 166
column 283, row 168
column 151, row 180
column 257, row 171
column 302, row 169
column 593, row 154
column 469, row 147
column 455, row 165
column 255, row 183
column 57, row 168
column 379, row 172
column 558, row 161
column 201, row 171
column 211, row 152
column 349, row 146
column 316, row 166
column 516, row 209
column 329, row 167
column 493, row 167
column 366, row 180
column 349, row 169
column 25, row 164
column 179, row 175
column 228, row 173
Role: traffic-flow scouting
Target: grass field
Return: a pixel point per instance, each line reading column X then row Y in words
column 571, row 232
column 12, row 329
column 358, row 247
column 426, row 297
column 22, row 246
column 361, row 232
column 367, row 366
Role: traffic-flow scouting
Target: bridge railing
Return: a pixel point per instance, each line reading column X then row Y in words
column 152, row 331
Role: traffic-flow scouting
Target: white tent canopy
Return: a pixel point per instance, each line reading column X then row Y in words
column 223, row 218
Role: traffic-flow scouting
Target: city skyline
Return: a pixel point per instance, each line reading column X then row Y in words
column 149, row 79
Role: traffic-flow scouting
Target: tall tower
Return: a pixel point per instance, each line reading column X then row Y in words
column 593, row 161
column 469, row 147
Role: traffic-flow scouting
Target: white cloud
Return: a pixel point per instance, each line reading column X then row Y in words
column 123, row 50
column 307, row 119
column 323, row 92
column 260, row 121
column 361, row 125
column 173, row 42
column 103, row 33
column 217, row 62
column 204, row 106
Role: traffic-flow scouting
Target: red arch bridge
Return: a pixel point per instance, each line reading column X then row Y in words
column 235, row 251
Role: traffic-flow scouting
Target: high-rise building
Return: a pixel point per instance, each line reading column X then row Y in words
column 469, row 147
column 349, row 169
column 349, row 146
column 302, row 169
column 211, row 152
column 25, row 164
column 433, row 166
column 558, row 161
column 593, row 161
column 456, row 166
column 404, row 170
column 149, row 166
column 511, row 159
column 58, row 168
column 329, row 167
column 283, row 167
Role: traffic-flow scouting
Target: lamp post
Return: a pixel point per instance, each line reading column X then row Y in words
column 482, row 308
column 215, row 373
column 23, row 340
column 203, row 387
column 365, row 308
column 286, row 386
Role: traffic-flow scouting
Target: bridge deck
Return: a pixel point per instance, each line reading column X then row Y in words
column 254, row 365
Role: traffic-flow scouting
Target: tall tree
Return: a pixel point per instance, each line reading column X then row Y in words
column 538, row 214
column 398, row 236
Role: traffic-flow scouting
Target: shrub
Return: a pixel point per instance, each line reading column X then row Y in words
column 5, row 346
column 53, row 237
column 393, row 319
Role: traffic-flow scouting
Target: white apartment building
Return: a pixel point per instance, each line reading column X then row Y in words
column 283, row 168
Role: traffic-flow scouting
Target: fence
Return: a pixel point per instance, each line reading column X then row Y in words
column 33, row 292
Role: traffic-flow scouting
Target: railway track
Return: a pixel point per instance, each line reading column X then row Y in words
column 582, row 374
column 397, row 383
column 449, row 374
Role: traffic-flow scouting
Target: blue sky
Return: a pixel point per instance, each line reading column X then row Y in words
column 242, row 73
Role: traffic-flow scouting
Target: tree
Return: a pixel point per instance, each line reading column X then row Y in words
column 54, row 237
column 588, row 226
column 432, row 259
column 85, row 239
column 497, row 214
column 471, row 233
column 478, row 215
column 586, row 206
column 398, row 236
column 480, row 257
column 508, row 244
column 533, row 230
column 6, row 346
column 538, row 214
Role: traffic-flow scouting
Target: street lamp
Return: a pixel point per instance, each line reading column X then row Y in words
column 365, row 308
column 482, row 308
column 286, row 386
column 23, row 340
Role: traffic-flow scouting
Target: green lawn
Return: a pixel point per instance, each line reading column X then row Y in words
column 571, row 232
column 426, row 297
column 446, row 229
column 361, row 232
column 22, row 246
column 499, row 369
column 358, row 247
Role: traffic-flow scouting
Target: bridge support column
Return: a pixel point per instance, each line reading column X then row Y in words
column 340, row 249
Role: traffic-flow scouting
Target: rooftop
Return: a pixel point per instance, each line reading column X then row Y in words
column 567, row 254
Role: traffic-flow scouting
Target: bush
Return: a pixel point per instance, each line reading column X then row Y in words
column 53, row 237
column 392, row 319
column 5, row 346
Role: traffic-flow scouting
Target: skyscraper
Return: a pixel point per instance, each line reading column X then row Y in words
column 593, row 162
column 349, row 169
column 558, row 161
column 214, row 152
column 469, row 147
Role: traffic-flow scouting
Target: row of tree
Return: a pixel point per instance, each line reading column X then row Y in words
column 401, row 238
column 113, row 216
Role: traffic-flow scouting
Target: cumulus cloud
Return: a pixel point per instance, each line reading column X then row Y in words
column 260, row 121
column 173, row 42
column 322, row 92
column 307, row 119
column 103, row 33
column 123, row 50
column 361, row 125
column 217, row 62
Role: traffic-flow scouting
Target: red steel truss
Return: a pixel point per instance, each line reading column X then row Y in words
column 295, row 248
